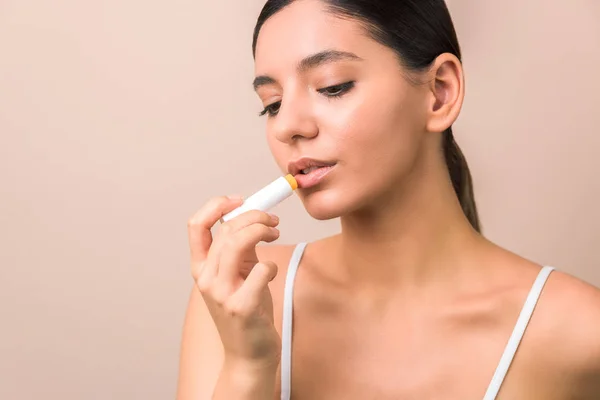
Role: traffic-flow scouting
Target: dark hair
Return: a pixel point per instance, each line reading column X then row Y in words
column 418, row 31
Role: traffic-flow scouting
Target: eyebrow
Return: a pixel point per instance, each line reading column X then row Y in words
column 310, row 62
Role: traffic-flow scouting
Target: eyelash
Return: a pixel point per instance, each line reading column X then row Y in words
column 342, row 89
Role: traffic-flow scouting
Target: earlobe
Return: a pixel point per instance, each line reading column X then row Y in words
column 447, row 91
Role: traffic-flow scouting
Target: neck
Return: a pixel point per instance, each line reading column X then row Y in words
column 412, row 238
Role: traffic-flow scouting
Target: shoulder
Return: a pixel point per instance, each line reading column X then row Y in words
column 576, row 307
column 569, row 330
column 577, row 304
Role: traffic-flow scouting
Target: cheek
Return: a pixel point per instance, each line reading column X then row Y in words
column 377, row 131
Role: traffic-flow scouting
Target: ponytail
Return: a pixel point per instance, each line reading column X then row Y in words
column 461, row 178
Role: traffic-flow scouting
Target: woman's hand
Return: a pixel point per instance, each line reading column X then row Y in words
column 234, row 284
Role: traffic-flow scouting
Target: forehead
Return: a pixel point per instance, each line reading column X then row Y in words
column 302, row 29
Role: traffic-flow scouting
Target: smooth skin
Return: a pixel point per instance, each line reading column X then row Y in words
column 408, row 301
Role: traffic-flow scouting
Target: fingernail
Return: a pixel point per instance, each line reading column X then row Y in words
column 274, row 217
column 236, row 197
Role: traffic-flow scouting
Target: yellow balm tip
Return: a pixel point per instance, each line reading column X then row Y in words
column 292, row 181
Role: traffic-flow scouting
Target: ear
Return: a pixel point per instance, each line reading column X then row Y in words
column 446, row 92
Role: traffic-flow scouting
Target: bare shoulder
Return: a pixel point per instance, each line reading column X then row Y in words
column 577, row 304
column 569, row 329
column 569, row 290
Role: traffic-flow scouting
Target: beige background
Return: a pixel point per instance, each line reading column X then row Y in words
column 118, row 119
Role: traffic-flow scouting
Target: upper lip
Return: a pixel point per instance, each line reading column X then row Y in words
column 295, row 167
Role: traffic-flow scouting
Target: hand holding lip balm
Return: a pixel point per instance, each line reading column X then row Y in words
column 267, row 197
column 233, row 280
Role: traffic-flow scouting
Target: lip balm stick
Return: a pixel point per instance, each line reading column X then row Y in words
column 267, row 197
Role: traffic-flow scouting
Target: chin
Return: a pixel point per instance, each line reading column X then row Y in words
column 325, row 205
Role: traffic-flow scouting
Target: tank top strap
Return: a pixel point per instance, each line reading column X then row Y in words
column 286, row 329
column 518, row 333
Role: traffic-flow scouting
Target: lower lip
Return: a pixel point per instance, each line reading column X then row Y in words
column 313, row 178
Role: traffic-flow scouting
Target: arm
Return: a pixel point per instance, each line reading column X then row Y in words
column 587, row 351
column 575, row 337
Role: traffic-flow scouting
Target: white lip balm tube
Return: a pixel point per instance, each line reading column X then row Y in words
column 267, row 197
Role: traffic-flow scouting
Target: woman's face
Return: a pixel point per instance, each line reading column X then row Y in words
column 334, row 95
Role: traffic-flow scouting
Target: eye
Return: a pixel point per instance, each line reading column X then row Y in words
column 337, row 90
column 271, row 110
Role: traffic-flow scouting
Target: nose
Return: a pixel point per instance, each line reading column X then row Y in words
column 295, row 121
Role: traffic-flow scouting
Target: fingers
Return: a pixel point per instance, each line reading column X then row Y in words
column 247, row 299
column 200, row 224
column 199, row 230
column 239, row 244
column 228, row 234
column 248, row 218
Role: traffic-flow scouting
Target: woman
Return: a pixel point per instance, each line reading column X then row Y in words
column 409, row 301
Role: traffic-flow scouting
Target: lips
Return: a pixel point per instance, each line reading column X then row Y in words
column 313, row 178
column 310, row 172
column 307, row 165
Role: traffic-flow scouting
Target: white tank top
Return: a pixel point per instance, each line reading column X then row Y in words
column 503, row 365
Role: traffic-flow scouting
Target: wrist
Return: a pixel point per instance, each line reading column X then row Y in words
column 234, row 366
column 248, row 380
